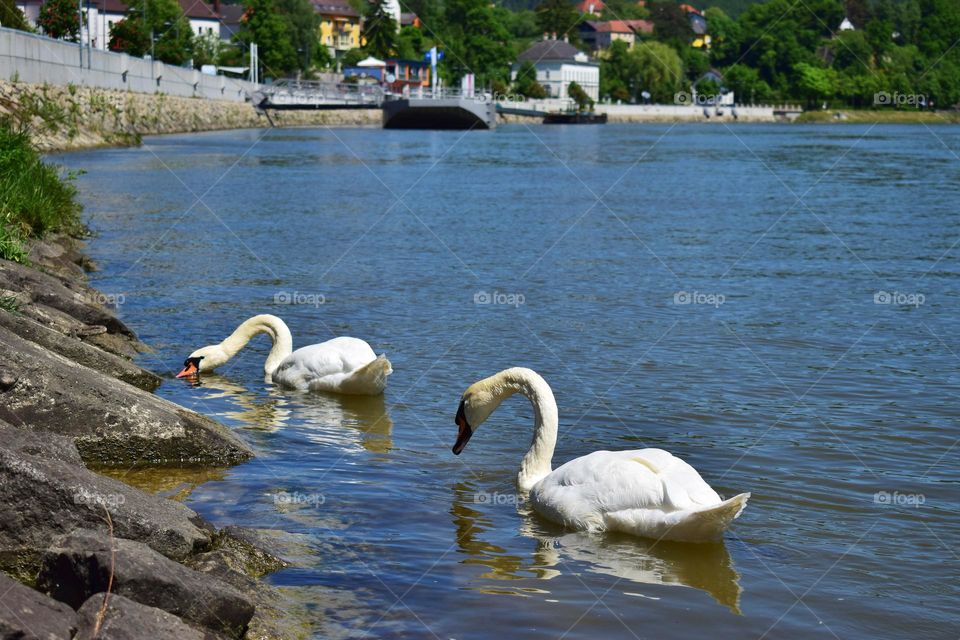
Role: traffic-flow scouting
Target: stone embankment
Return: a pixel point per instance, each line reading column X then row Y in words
column 84, row 555
column 76, row 117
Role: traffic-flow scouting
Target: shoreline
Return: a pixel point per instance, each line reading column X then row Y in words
column 75, row 405
column 74, row 118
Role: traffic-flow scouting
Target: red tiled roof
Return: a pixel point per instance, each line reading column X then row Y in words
column 584, row 6
column 611, row 26
column 621, row 26
column 640, row 26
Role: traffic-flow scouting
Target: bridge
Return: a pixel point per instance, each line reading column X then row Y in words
column 414, row 109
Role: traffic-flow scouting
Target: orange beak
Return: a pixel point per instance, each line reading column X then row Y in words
column 189, row 371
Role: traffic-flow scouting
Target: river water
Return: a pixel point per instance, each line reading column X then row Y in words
column 776, row 304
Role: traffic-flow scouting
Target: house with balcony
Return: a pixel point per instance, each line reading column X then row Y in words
column 558, row 63
column 339, row 26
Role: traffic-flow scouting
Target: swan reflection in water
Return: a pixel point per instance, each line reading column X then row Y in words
column 707, row 567
column 345, row 422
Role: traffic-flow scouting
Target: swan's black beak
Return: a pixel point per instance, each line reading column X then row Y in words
column 191, row 368
column 464, row 433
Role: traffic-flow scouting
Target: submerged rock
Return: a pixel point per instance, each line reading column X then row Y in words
column 111, row 423
column 30, row 615
column 82, row 564
column 124, row 619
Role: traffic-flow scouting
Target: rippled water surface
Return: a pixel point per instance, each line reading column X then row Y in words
column 815, row 365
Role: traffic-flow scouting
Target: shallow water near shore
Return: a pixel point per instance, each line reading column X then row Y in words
column 778, row 305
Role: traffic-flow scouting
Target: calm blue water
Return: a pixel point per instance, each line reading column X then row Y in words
column 816, row 364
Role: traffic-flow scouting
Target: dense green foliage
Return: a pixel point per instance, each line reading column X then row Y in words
column 11, row 17
column 59, row 19
column 34, row 199
column 156, row 26
column 379, row 32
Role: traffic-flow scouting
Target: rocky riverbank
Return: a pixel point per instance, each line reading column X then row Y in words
column 84, row 555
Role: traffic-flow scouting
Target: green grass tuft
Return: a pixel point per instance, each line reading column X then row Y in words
column 35, row 198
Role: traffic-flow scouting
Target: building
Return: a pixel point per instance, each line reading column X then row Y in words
column 594, row 7
column 101, row 15
column 339, row 26
column 558, row 63
column 231, row 18
column 204, row 19
column 599, row 35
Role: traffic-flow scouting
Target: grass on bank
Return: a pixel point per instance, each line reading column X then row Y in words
column 882, row 116
column 35, row 198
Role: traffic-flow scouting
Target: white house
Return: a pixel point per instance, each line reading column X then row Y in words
column 103, row 14
column 558, row 63
column 204, row 19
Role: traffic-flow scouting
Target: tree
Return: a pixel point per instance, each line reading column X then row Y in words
column 649, row 66
column 130, row 36
column 578, row 95
column 302, row 24
column 746, row 84
column 161, row 20
column 660, row 71
column 815, row 83
column 670, row 23
column 526, row 82
column 11, row 17
column 559, row 17
column 59, row 19
column 379, row 33
column 475, row 42
column 265, row 26
column 411, row 45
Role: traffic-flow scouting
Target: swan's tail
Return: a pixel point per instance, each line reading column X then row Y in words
column 700, row 525
column 368, row 380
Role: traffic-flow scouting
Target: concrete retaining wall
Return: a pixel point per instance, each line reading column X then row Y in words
column 75, row 117
column 39, row 60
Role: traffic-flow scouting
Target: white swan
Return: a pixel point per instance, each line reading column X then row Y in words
column 643, row 492
column 341, row 365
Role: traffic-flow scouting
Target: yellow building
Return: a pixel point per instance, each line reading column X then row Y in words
column 339, row 26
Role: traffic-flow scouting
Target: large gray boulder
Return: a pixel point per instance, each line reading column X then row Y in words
column 82, row 564
column 79, row 351
column 48, row 494
column 124, row 619
column 30, row 615
column 111, row 423
column 71, row 297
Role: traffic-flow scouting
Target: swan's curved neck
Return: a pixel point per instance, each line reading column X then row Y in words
column 536, row 464
column 270, row 325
